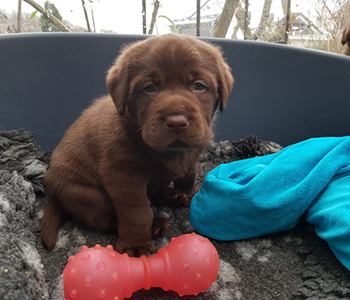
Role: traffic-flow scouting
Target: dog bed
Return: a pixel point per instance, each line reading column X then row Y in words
column 294, row 264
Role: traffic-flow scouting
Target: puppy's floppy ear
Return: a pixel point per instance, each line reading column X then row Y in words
column 225, row 83
column 346, row 35
column 117, row 82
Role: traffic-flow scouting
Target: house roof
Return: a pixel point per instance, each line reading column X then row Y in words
column 303, row 23
column 193, row 20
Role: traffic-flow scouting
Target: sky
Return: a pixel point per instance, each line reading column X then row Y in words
column 125, row 16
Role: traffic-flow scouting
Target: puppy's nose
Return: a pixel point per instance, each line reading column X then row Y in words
column 176, row 123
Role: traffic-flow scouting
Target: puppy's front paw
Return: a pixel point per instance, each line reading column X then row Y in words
column 192, row 192
column 135, row 250
column 171, row 197
column 159, row 227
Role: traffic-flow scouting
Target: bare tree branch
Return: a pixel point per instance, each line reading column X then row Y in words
column 93, row 19
column 86, row 16
column 154, row 16
column 6, row 17
column 331, row 18
column 48, row 14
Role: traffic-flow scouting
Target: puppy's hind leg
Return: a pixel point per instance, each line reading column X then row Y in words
column 85, row 204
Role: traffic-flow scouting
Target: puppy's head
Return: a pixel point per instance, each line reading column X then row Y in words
column 346, row 38
column 170, row 87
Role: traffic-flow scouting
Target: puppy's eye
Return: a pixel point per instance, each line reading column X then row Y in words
column 149, row 88
column 199, row 86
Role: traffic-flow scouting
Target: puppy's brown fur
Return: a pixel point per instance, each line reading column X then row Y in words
column 127, row 147
column 346, row 39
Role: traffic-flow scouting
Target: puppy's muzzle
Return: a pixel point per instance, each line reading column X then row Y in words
column 176, row 123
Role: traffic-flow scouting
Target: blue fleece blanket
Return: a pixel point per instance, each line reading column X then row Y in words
column 269, row 194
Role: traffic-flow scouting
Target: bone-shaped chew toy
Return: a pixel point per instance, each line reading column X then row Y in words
column 188, row 266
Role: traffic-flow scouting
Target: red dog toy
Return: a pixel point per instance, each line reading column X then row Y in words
column 188, row 266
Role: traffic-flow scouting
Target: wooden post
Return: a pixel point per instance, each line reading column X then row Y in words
column 286, row 32
column 19, row 16
column 198, row 26
column 144, row 24
column 246, row 19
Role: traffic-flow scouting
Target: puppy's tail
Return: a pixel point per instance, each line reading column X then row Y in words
column 50, row 224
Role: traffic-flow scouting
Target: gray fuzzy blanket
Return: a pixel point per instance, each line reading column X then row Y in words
column 291, row 265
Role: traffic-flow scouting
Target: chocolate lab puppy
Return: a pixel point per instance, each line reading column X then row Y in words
column 346, row 39
column 127, row 147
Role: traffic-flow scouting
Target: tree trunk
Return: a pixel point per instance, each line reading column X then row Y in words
column 263, row 20
column 241, row 23
column 224, row 21
column 19, row 16
column 284, row 7
column 47, row 14
column 86, row 16
column 154, row 16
